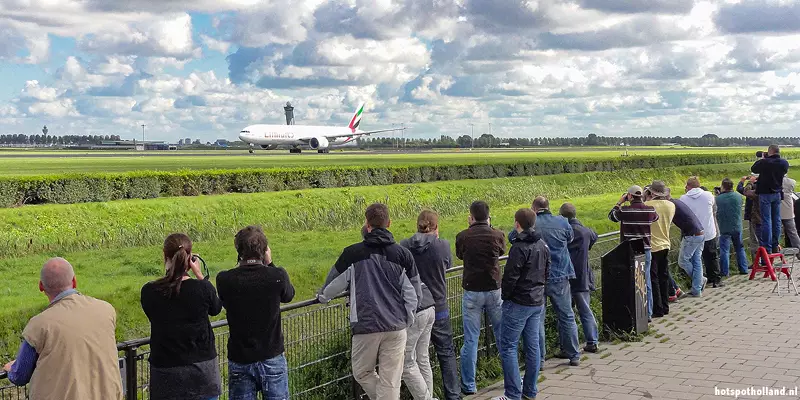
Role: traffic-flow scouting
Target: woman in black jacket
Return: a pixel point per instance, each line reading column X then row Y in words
column 183, row 357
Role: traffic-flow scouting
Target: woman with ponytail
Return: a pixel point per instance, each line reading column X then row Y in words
column 183, row 357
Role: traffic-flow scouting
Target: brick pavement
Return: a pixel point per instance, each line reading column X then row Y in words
column 733, row 337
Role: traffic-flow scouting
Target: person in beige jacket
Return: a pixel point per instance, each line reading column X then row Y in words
column 69, row 350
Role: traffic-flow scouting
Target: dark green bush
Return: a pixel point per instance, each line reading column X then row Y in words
column 82, row 188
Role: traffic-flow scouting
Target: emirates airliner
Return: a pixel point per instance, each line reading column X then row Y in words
column 299, row 137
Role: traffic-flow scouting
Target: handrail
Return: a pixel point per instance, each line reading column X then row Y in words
column 135, row 343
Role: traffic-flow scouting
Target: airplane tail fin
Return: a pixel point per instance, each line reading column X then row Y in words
column 356, row 120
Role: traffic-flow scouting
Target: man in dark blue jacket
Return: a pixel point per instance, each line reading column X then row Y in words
column 523, row 305
column 557, row 233
column 384, row 297
column 771, row 171
column 583, row 283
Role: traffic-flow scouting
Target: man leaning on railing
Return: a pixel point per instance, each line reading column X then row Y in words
column 384, row 290
column 69, row 350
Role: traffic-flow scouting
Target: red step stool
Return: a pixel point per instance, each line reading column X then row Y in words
column 767, row 269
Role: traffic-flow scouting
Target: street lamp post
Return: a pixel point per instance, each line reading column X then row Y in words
column 472, row 136
column 143, row 125
column 403, row 133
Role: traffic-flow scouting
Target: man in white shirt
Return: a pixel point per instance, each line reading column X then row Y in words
column 702, row 203
column 787, row 213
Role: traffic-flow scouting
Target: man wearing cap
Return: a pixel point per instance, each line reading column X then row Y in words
column 656, row 197
column 634, row 223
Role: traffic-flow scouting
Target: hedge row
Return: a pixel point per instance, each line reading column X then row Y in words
column 82, row 188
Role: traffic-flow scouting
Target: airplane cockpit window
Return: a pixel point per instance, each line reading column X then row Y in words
column 244, row 132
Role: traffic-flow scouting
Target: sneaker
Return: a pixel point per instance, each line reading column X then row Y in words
column 744, row 272
column 467, row 393
column 591, row 348
column 562, row 356
column 680, row 293
column 694, row 295
column 705, row 281
column 718, row 284
column 672, row 299
column 528, row 398
column 575, row 362
column 500, row 398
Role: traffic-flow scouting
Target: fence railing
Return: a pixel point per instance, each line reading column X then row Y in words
column 317, row 341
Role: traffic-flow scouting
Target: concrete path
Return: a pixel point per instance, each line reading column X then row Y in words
column 735, row 337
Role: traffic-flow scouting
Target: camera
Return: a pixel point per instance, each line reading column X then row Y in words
column 717, row 190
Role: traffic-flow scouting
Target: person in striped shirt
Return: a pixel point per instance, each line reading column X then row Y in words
column 635, row 220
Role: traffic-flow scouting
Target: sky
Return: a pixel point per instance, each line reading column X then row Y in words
column 520, row 68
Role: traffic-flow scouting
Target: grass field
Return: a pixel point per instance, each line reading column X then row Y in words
column 43, row 162
column 114, row 245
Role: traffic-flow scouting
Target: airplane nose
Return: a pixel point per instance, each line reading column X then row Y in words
column 242, row 137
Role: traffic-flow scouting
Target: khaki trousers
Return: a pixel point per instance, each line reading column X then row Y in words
column 386, row 350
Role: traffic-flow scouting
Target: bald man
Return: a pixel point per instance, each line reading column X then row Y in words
column 69, row 350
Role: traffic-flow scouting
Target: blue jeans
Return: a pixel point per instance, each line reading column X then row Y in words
column 520, row 321
column 770, row 220
column 561, row 297
column 689, row 260
column 582, row 301
column 648, row 264
column 269, row 377
column 473, row 306
column 725, row 241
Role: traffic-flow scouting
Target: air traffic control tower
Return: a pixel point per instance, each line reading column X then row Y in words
column 289, row 113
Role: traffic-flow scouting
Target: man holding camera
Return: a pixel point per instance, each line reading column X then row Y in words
column 252, row 294
column 752, row 210
column 635, row 221
column 729, row 216
column 771, row 171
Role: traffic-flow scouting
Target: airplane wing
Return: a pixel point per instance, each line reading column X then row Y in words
column 357, row 134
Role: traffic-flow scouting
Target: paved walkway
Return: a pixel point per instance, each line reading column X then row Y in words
column 734, row 337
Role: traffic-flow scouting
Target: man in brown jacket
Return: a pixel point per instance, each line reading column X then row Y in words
column 69, row 351
column 479, row 246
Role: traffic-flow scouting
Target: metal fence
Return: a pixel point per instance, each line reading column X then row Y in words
column 317, row 341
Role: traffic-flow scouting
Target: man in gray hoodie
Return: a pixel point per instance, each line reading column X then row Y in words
column 433, row 257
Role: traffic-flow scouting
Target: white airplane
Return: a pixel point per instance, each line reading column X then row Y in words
column 298, row 137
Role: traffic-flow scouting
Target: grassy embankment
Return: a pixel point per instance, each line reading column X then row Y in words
column 115, row 246
column 132, row 161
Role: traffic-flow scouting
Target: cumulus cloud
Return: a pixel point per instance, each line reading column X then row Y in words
column 753, row 16
column 169, row 37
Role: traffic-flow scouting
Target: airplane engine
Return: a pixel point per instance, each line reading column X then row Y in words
column 319, row 143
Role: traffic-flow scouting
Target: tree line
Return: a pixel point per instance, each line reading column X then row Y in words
column 21, row 139
column 489, row 141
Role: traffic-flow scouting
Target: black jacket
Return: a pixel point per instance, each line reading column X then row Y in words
column 433, row 258
column 480, row 246
column 526, row 269
column 583, row 240
column 771, row 171
column 252, row 294
column 383, row 282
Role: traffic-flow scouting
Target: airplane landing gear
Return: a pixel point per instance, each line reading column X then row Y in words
column 326, row 151
column 295, row 151
column 250, row 151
